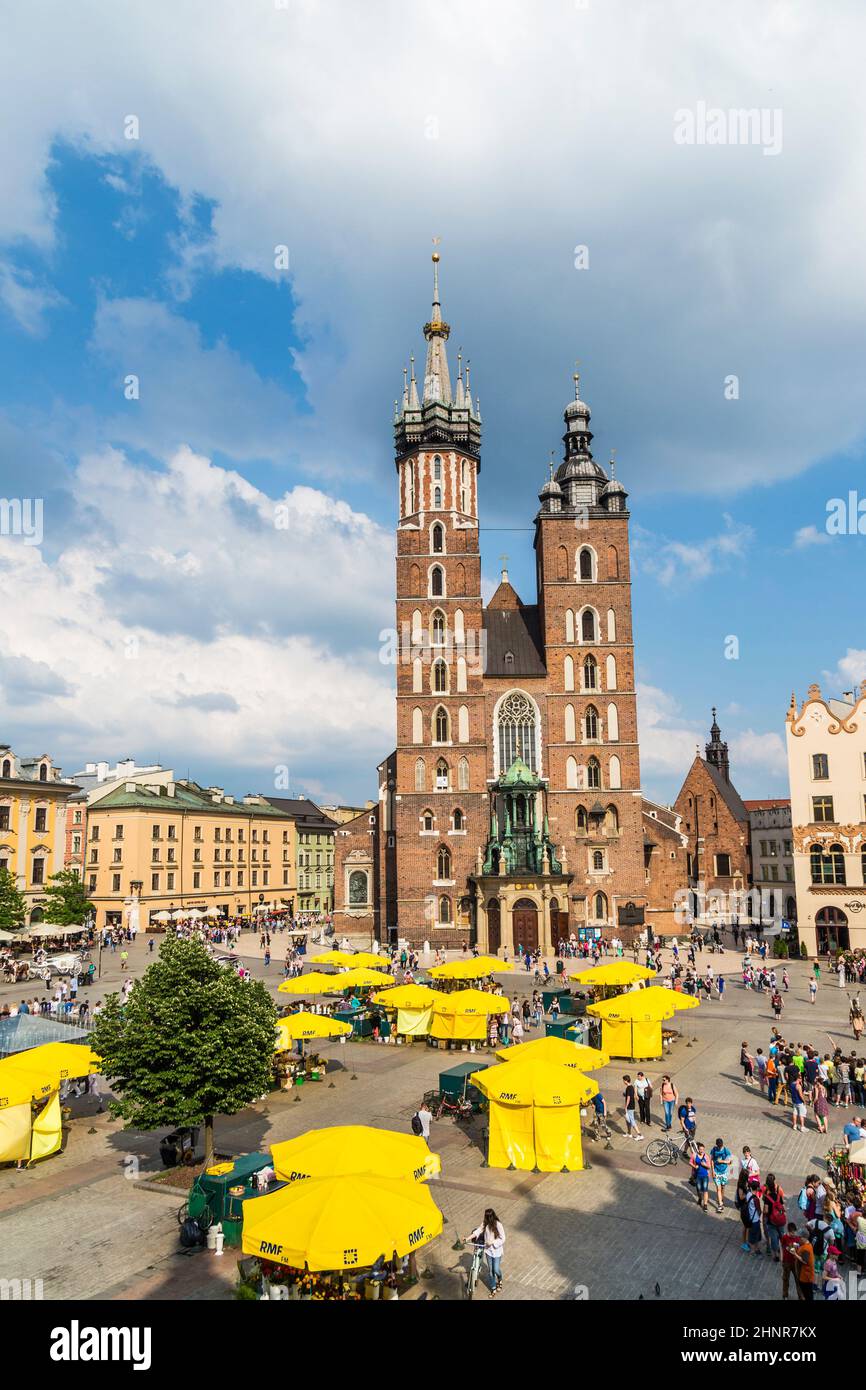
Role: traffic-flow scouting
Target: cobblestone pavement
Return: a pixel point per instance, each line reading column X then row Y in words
column 82, row 1222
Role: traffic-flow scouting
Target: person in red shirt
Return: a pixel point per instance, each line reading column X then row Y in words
column 789, row 1242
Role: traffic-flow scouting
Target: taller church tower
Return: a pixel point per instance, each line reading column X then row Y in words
column 433, row 816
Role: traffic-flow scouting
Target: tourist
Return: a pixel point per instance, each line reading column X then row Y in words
column 491, row 1233
column 832, row 1285
column 643, row 1087
column 853, row 1132
column 804, row 1261
column 773, row 1215
column 747, row 1063
column 688, row 1118
column 669, row 1097
column 425, row 1115
column 798, row 1105
column 820, row 1105
column 629, row 1097
column 789, row 1243
column 813, row 989
column 751, row 1217
column 700, row 1162
column 749, row 1164
column 721, row 1159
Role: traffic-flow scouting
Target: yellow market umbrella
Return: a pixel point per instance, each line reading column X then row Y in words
column 471, row 1001
column 19, row 1084
column 317, row 982
column 613, row 972
column 370, row 959
column 344, row 1150
column 332, row 958
column 680, row 1001
column 362, row 978
column 406, row 997
column 556, row 1050
column 65, row 1060
column 473, row 969
column 534, row 1083
column 643, row 1005
column 301, row 1026
column 340, row 1223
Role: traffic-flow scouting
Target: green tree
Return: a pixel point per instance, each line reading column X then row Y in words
column 66, row 903
column 193, row 1041
column 13, row 908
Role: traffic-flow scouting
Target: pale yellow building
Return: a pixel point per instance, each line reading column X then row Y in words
column 33, row 824
column 827, row 773
column 154, row 849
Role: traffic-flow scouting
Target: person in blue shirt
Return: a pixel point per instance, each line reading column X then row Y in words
column 701, row 1172
column 721, row 1159
column 688, row 1118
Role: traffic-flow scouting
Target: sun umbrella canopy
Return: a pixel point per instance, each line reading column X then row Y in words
column 36, row 1072
column 613, row 972
column 68, row 1060
column 301, row 1026
column 340, row 1223
column 332, row 958
column 351, row 1149
column 534, row 1083
column 643, row 1005
column 362, row 978
column 471, row 1001
column 680, row 1000
column 558, row 1051
column 406, row 997
column 473, row 969
column 316, row 982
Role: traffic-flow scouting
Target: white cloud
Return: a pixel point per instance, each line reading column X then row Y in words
column 750, row 750
column 668, row 741
column 850, row 671
column 26, row 300
column 810, row 535
column 318, row 135
column 670, row 561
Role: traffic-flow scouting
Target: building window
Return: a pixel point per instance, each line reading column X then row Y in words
column 41, row 823
column 597, row 859
column 829, row 866
column 587, row 625
column 458, row 819
column 38, row 871
column 428, row 820
column 440, row 725
column 581, row 821
column 822, row 809
column 437, row 469
column 43, row 772
column 591, row 722
column 91, row 884
column 443, row 863
column 516, row 731
column 820, row 767
column 463, row 775
column 444, row 910
column 440, row 678
column 154, row 883
column 437, row 581
column 723, row 866
column 420, row 772
column 7, row 768
column 600, row 906
column 169, row 882
column 437, row 499
column 590, row 673
column 438, row 537
column 593, row 773
column 585, row 564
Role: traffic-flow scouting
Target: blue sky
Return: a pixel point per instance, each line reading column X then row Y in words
column 163, row 615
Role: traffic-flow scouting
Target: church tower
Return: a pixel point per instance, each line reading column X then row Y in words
column 433, row 814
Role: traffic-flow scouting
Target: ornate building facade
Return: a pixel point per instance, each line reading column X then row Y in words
column 510, row 812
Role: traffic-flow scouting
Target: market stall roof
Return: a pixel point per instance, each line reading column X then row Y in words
column 613, row 972
column 340, row 1223
column 643, row 1005
column 50, row 929
column 362, row 978
column 407, row 997
column 471, row 1001
column 37, row 1072
column 472, row 969
column 534, row 1083
column 557, row 1050
column 301, row 1026
column 351, row 1149
column 315, row 982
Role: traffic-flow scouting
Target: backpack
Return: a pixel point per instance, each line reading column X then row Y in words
column 417, row 1127
column 776, row 1215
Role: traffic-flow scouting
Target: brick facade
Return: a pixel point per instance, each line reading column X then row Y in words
column 716, row 822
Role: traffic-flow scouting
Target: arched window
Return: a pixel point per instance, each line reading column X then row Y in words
column 597, row 859
column 441, row 776
column 827, row 867
column 414, row 579
column 437, row 628
column 611, row 820
column 516, row 731
column 590, row 673
column 428, row 820
column 43, row 772
column 612, row 724
column 440, row 725
column 610, row 673
column 562, row 563
column 611, row 625
column 437, row 581
column 612, row 563
column 461, row 673
column 585, row 564
column 440, row 678
column 593, row 773
column 571, row 773
column 581, row 820
column 600, row 907
column 463, row 724
column 569, row 724
column 569, row 625
column 459, row 629
column 614, row 774
column 417, row 726
column 417, row 676
column 443, row 863
column 7, row 768
column 590, row 722
column 444, row 910
column 463, row 775
column 358, row 892
column 420, row 774
column 587, row 626
column 410, row 486
column 458, row 819
column 437, row 469
column 568, row 674
column 437, row 536
column 465, row 487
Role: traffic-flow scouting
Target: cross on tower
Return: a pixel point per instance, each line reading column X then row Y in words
column 503, row 560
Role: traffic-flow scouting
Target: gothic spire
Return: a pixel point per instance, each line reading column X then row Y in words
column 717, row 751
column 437, row 381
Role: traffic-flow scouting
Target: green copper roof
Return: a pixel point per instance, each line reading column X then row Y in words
column 187, row 798
column 519, row 775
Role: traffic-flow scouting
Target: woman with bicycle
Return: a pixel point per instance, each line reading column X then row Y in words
column 490, row 1237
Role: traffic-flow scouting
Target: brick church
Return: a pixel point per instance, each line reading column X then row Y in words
column 510, row 812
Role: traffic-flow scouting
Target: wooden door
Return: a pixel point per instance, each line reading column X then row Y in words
column 494, row 926
column 524, row 921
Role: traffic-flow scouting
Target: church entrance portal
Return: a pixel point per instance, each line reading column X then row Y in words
column 524, row 922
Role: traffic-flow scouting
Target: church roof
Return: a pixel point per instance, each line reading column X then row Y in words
column 729, row 794
column 514, row 646
column 519, row 774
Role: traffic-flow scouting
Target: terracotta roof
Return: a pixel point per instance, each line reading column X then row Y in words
column 767, row 805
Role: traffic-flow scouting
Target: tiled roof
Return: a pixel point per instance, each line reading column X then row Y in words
column 304, row 811
column 187, row 797
column 769, row 804
column 514, row 630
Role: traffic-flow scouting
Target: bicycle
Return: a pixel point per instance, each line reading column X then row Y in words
column 660, row 1152
column 474, row 1269
column 459, row 1108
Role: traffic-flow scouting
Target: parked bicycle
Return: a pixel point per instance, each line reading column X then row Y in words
column 475, row 1268
column 458, row 1107
column 660, row 1152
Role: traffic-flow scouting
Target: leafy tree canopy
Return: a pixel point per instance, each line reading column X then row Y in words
column 66, row 903
column 13, row 907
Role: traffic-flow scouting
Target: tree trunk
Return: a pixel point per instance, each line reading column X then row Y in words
column 208, row 1141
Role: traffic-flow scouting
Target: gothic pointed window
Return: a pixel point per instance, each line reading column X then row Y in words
column 586, row 563
column 437, row 581
column 437, row 499
column 437, row 469
column 591, row 722
column 590, row 673
column 443, row 863
column 458, row 819
column 600, row 907
column 516, row 731
column 444, row 910
column 438, row 539
column 410, row 487
column 562, row 563
column 420, row 773
column 437, row 628
column 611, row 821
column 441, row 776
column 581, row 820
column 587, row 626
column 593, row 773
column 440, row 725
column 440, row 680
column 463, row 775
column 428, row 820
